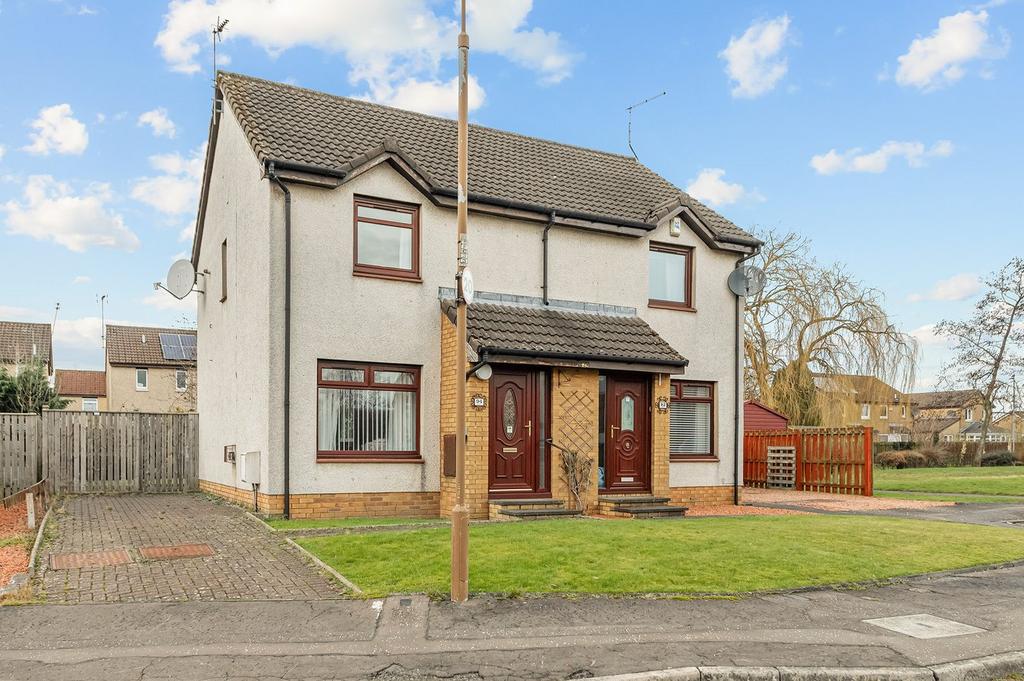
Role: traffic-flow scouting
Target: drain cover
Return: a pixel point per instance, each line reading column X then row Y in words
column 176, row 551
column 88, row 559
column 924, row 626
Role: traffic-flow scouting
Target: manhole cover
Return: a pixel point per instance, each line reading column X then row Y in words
column 924, row 626
column 88, row 559
column 176, row 551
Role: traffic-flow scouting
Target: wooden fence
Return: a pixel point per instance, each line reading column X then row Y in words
column 835, row 460
column 20, row 453
column 105, row 452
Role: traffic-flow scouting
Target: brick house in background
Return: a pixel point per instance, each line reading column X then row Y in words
column 855, row 400
column 150, row 369
column 84, row 390
column 947, row 415
column 22, row 342
column 602, row 314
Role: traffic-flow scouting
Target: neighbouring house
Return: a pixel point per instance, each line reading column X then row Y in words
column 946, row 415
column 757, row 416
column 150, row 369
column 855, row 400
column 602, row 321
column 84, row 390
column 24, row 342
column 1013, row 424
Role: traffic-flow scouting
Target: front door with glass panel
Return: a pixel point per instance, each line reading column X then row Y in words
column 626, row 451
column 517, row 465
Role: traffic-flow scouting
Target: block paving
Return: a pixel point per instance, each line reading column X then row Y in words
column 248, row 562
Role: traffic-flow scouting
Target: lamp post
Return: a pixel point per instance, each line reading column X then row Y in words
column 460, row 513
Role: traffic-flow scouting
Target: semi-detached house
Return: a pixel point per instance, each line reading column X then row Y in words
column 326, row 244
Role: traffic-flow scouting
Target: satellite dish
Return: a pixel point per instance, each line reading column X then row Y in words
column 747, row 280
column 181, row 278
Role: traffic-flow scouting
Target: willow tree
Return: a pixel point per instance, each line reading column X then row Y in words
column 987, row 345
column 814, row 320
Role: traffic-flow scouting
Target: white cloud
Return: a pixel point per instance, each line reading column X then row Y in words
column 390, row 45
column 710, row 187
column 754, row 60
column 926, row 336
column 56, row 129
column 956, row 288
column 187, row 232
column 159, row 122
column 162, row 300
column 3, row 151
column 20, row 313
column 177, row 189
column 81, row 279
column 857, row 161
column 942, row 58
column 431, row 97
column 52, row 211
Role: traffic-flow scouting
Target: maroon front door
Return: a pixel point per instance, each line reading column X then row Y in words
column 515, row 431
column 627, row 435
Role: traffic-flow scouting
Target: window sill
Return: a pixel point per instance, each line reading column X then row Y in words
column 670, row 305
column 391, row 275
column 360, row 458
column 682, row 458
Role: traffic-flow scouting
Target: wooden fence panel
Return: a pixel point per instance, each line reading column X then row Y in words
column 833, row 460
column 20, row 459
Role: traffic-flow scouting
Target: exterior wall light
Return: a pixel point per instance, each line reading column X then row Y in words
column 484, row 372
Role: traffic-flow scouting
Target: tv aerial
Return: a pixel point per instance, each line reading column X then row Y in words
column 629, row 124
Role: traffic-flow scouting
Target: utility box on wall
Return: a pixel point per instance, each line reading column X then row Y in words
column 251, row 468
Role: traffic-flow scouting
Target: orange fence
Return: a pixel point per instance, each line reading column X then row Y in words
column 835, row 460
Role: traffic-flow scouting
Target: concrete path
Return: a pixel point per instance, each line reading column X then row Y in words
column 141, row 540
column 540, row 638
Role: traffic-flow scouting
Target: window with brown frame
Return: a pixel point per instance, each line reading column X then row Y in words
column 224, row 270
column 386, row 239
column 670, row 277
column 367, row 412
column 692, row 420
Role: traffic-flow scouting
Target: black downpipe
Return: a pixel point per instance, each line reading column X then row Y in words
column 287, row 332
column 738, row 436
column 547, row 228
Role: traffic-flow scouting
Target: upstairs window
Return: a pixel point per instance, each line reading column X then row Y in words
column 670, row 277
column 181, row 380
column 691, row 420
column 142, row 379
column 386, row 239
column 90, row 404
column 865, row 411
column 885, row 412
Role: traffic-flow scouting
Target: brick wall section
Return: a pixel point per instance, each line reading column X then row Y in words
column 660, row 389
column 574, row 425
column 476, row 428
column 335, row 505
column 700, row 496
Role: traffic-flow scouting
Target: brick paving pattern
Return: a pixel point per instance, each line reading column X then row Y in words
column 248, row 562
column 176, row 551
column 68, row 561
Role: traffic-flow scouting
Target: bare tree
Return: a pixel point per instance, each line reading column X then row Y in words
column 813, row 319
column 987, row 345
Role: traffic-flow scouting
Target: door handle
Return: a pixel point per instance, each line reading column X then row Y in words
column 529, row 428
column 614, row 428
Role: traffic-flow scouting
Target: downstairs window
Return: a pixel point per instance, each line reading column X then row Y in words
column 367, row 412
column 691, row 420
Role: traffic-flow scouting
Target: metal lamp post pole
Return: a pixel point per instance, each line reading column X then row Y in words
column 460, row 513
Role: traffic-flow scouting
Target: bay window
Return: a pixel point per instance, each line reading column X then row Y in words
column 692, row 420
column 367, row 412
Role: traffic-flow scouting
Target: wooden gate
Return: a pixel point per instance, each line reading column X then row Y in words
column 114, row 452
column 834, row 460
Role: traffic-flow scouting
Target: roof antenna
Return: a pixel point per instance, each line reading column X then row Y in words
column 56, row 309
column 629, row 125
column 218, row 29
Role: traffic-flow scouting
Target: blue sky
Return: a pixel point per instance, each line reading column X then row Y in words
column 889, row 133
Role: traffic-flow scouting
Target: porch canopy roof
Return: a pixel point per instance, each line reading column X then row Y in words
column 547, row 335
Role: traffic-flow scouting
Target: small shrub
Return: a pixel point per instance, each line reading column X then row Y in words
column 998, row 459
column 916, row 459
column 892, row 459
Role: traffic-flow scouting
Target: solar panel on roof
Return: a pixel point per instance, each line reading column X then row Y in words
column 176, row 346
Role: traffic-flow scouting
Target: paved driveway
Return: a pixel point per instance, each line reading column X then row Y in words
column 137, row 548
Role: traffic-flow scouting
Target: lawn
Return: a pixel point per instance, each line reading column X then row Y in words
column 707, row 555
column 328, row 523
column 995, row 480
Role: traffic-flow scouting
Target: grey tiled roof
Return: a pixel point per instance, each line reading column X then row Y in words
column 946, row 399
column 20, row 341
column 140, row 346
column 287, row 123
column 551, row 332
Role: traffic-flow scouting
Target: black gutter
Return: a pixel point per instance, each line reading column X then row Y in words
column 304, row 168
column 576, row 356
column 547, row 228
column 272, row 174
column 740, row 353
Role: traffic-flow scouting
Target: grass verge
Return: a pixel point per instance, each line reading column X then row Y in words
column 994, row 480
column 328, row 523
column 707, row 555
